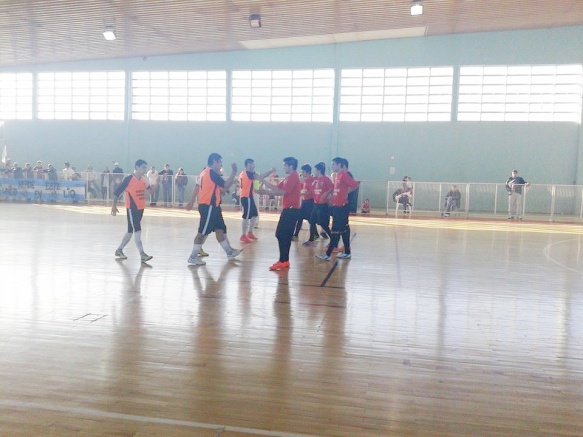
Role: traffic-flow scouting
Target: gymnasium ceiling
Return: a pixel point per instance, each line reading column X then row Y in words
column 47, row 31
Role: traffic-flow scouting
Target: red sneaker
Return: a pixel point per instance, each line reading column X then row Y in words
column 251, row 237
column 244, row 239
column 280, row 265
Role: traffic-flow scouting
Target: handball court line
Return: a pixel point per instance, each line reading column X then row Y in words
column 547, row 254
column 98, row 414
column 331, row 272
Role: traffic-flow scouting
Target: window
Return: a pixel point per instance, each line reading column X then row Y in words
column 396, row 94
column 16, row 96
column 81, row 95
column 521, row 93
column 283, row 95
column 179, row 95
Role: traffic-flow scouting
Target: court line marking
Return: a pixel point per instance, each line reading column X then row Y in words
column 323, row 284
column 546, row 252
column 88, row 412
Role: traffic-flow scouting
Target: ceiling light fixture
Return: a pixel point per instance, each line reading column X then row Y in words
column 109, row 33
column 416, row 8
column 255, row 21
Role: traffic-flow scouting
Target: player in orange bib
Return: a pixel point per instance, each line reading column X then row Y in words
column 135, row 186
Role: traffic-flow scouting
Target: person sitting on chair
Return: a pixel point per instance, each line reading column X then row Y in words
column 452, row 200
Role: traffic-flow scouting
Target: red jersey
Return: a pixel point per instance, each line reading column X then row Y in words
column 291, row 185
column 136, row 191
column 307, row 191
column 342, row 184
column 320, row 186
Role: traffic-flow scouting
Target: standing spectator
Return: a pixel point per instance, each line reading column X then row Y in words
column 17, row 171
column 51, row 173
column 343, row 184
column 105, row 182
column 290, row 189
column 514, row 186
column 181, row 182
column 39, row 172
column 135, row 186
column 117, row 175
column 166, row 181
column 153, row 177
column 68, row 172
column 27, row 171
column 90, row 178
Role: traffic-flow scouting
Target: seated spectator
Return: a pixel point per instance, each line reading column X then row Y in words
column 404, row 194
column 452, row 200
column 365, row 209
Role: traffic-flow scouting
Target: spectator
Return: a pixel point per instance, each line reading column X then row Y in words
column 27, row 171
column 105, row 182
column 39, row 172
column 404, row 193
column 452, row 200
column 152, row 176
column 166, row 176
column 117, row 175
column 90, row 178
column 51, row 173
column 514, row 186
column 181, row 182
column 68, row 172
column 365, row 209
column 16, row 171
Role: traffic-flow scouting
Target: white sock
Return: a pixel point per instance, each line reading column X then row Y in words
column 225, row 245
column 254, row 221
column 125, row 240
column 195, row 249
column 244, row 227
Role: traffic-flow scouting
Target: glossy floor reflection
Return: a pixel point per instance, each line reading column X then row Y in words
column 435, row 327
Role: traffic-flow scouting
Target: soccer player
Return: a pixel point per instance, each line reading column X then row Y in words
column 289, row 188
column 209, row 207
column 343, row 184
column 323, row 189
column 135, row 186
column 307, row 197
column 247, row 180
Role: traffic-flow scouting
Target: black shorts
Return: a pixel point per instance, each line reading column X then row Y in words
column 340, row 218
column 249, row 208
column 321, row 214
column 211, row 219
column 134, row 216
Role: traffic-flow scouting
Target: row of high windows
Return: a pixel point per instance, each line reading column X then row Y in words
column 480, row 93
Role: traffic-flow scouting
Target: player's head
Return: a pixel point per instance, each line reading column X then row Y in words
column 290, row 163
column 214, row 158
column 321, row 168
column 141, row 166
column 514, row 173
column 306, row 169
column 249, row 164
column 336, row 164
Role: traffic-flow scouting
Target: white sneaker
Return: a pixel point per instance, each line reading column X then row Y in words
column 234, row 253
column 323, row 257
column 344, row 256
column 196, row 261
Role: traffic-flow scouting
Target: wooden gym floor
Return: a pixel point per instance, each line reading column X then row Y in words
column 434, row 328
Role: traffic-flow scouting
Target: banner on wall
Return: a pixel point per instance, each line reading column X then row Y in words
column 42, row 191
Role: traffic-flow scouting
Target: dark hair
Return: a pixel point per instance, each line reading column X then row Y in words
column 321, row 167
column 337, row 160
column 345, row 162
column 213, row 157
column 140, row 162
column 248, row 161
column 293, row 162
column 307, row 167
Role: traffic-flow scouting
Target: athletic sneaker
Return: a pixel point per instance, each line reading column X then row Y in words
column 250, row 236
column 120, row 254
column 280, row 265
column 202, row 253
column 234, row 253
column 344, row 256
column 146, row 257
column 323, row 257
column 245, row 239
column 308, row 243
column 196, row 261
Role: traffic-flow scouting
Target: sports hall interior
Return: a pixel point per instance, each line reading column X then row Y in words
column 435, row 327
